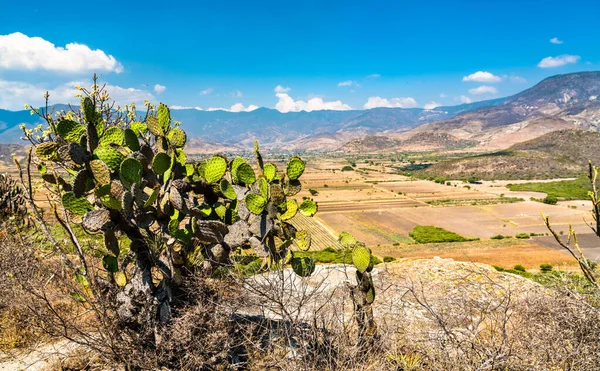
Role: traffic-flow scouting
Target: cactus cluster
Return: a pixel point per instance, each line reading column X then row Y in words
column 136, row 180
column 12, row 200
column 362, row 259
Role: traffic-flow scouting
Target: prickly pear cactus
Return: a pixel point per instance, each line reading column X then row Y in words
column 12, row 200
column 132, row 178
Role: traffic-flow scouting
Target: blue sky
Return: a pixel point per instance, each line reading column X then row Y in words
column 341, row 55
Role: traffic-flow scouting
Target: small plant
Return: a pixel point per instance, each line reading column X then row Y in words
column 550, row 200
column 498, row 268
column 347, row 168
column 522, row 236
column 388, row 259
column 545, row 268
column 313, row 192
column 519, row 268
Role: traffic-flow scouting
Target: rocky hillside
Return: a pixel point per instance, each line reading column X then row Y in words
column 562, row 153
column 417, row 142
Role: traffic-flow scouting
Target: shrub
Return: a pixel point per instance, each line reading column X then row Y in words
column 499, row 237
column 519, row 268
column 550, row 200
column 546, row 267
column 313, row 192
column 388, row 259
column 522, row 236
column 498, row 268
column 431, row 234
column 347, row 168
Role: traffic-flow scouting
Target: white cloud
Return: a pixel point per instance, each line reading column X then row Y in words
column 238, row 107
column 555, row 40
column 561, row 60
column 431, row 105
column 483, row 89
column 159, row 88
column 288, row 104
column 21, row 52
column 206, row 91
column 281, row 89
column 346, row 83
column 482, row 76
column 517, row 79
column 15, row 94
column 374, row 76
column 374, row 102
column 185, row 107
column 465, row 99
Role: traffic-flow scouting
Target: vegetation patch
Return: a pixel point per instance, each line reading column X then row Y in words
column 431, row 234
column 576, row 189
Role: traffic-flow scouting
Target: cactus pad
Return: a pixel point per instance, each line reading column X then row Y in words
column 270, row 170
column 347, row 240
column 234, row 167
column 295, row 168
column 131, row 140
column 79, row 183
column 46, row 151
column 100, row 171
column 255, row 203
column 303, row 240
column 110, row 263
column 161, row 163
column 89, row 111
column 277, row 195
column 245, row 174
column 175, row 199
column 120, row 279
column 177, row 137
column 164, row 117
column 292, row 188
column 69, row 130
column 96, row 220
column 291, row 208
column 361, row 257
column 127, row 203
column 263, row 187
column 113, row 135
column 227, row 190
column 138, row 128
column 371, row 291
column 111, row 242
column 77, row 153
column 131, row 171
column 303, row 267
column 215, row 169
column 76, row 205
column 110, row 156
column 154, row 126
column 308, row 207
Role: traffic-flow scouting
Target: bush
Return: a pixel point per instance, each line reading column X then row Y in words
column 550, row 200
column 522, row 236
column 347, row 168
column 431, row 234
column 498, row 268
column 546, row 267
column 313, row 192
column 388, row 259
column 519, row 268
column 499, row 237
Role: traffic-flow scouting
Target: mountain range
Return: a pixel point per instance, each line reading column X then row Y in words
column 569, row 101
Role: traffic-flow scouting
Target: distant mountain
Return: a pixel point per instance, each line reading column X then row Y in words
column 562, row 153
column 418, row 142
column 316, row 130
column 570, row 101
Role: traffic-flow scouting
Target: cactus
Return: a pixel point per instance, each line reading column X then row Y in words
column 215, row 169
column 308, row 207
column 295, row 168
column 12, row 201
column 303, row 240
column 303, row 267
column 361, row 257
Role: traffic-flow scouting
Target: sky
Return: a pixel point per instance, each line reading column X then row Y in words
column 292, row 56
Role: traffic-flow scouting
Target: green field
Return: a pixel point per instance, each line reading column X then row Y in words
column 566, row 189
column 431, row 234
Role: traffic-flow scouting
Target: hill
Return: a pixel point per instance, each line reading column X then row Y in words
column 417, row 142
column 563, row 153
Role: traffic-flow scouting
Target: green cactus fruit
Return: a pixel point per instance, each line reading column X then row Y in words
column 263, row 187
column 303, row 267
column 245, row 174
column 277, row 195
column 308, row 207
column 77, row 153
column 152, row 198
column 80, row 181
column 70, row 131
column 111, row 157
column 120, row 278
column 131, row 140
column 113, row 135
column 270, row 170
column 76, row 205
column 100, row 171
column 96, row 220
column 292, row 187
column 227, row 190
column 138, row 128
column 291, row 210
column 164, row 117
column 177, row 137
column 110, row 263
column 303, row 240
column 46, row 151
column 295, row 168
column 111, row 242
column 215, row 169
column 255, row 203
column 131, row 171
column 347, row 240
column 161, row 163
column 234, row 167
column 361, row 257
column 154, row 126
